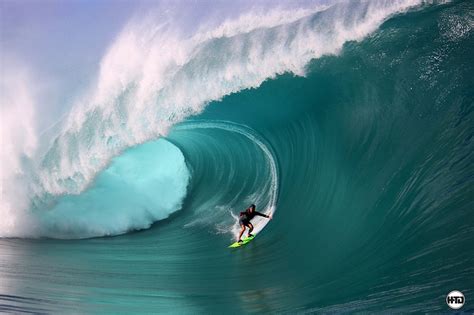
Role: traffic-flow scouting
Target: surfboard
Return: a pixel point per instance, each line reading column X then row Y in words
column 245, row 241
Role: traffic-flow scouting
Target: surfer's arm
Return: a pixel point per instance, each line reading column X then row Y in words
column 261, row 214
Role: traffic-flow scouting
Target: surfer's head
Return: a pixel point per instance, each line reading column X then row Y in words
column 252, row 208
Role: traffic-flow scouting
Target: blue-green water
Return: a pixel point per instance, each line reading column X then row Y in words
column 366, row 162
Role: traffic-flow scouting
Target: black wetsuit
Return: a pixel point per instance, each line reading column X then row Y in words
column 246, row 216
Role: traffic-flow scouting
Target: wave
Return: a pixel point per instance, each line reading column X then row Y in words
column 151, row 80
column 155, row 76
column 371, row 184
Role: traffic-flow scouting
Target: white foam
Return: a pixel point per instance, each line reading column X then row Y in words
column 260, row 18
column 18, row 142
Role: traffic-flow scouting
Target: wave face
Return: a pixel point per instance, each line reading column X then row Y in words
column 352, row 123
column 156, row 74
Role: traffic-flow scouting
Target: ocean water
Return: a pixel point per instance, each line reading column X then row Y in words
column 351, row 123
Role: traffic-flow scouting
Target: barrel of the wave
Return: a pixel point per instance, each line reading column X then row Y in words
column 256, row 182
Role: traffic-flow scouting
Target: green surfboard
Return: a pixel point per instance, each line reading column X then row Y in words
column 244, row 241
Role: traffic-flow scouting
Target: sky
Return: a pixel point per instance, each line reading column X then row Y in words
column 60, row 42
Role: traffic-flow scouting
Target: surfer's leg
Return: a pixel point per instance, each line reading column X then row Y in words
column 241, row 232
column 250, row 229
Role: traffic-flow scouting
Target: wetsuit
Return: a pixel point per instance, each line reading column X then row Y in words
column 246, row 216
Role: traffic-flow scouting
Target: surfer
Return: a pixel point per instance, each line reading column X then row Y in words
column 245, row 218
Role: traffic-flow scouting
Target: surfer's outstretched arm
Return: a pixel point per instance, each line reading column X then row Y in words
column 262, row 215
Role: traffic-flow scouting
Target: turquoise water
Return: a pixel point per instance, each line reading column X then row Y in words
column 366, row 163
